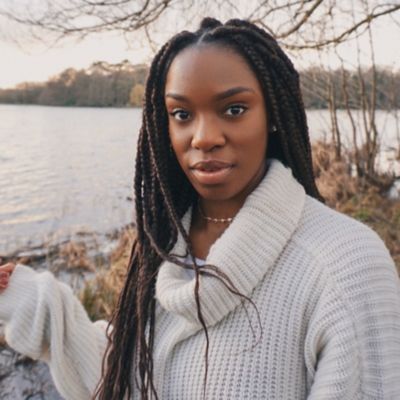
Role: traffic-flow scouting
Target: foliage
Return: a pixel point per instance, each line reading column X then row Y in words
column 136, row 96
column 101, row 85
column 120, row 85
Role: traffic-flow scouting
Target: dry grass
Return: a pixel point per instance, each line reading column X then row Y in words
column 72, row 256
column 75, row 256
column 333, row 176
column 100, row 295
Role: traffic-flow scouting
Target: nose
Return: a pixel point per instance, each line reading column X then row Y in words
column 208, row 134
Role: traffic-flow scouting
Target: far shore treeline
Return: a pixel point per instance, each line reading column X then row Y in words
column 122, row 85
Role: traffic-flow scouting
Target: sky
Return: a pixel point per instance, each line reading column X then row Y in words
column 30, row 61
column 35, row 63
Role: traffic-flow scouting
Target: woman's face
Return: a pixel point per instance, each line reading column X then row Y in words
column 217, row 121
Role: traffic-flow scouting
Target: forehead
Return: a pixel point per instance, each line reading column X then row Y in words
column 209, row 68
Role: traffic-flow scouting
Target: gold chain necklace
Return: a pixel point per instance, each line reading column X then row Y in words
column 215, row 220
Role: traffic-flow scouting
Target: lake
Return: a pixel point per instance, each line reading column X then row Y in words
column 68, row 172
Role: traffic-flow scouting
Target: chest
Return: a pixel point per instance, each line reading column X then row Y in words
column 252, row 354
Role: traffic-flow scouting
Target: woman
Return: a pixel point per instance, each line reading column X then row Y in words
column 241, row 284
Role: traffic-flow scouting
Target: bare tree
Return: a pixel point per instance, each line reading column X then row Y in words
column 291, row 21
column 393, row 93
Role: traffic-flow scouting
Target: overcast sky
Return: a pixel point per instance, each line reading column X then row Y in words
column 34, row 62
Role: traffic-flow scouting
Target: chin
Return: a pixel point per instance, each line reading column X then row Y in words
column 215, row 193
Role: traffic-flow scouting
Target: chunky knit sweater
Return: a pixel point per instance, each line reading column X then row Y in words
column 323, row 321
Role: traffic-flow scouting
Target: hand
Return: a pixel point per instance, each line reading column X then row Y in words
column 5, row 272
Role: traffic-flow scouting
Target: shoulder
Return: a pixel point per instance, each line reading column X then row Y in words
column 334, row 236
column 351, row 255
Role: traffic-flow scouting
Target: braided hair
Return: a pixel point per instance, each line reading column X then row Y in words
column 163, row 194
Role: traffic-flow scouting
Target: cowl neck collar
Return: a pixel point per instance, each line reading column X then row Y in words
column 244, row 252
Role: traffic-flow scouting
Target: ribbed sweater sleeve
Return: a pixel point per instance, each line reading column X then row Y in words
column 44, row 320
column 352, row 348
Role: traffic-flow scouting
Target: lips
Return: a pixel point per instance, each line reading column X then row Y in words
column 211, row 165
column 211, row 172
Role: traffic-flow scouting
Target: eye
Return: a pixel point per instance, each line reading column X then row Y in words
column 235, row 110
column 180, row 115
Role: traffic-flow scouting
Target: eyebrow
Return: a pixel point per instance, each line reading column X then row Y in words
column 219, row 96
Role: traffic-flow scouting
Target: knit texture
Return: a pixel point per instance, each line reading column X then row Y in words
column 45, row 321
column 324, row 322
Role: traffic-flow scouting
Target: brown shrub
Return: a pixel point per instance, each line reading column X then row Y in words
column 100, row 295
column 75, row 256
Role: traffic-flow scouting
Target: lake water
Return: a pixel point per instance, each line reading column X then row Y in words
column 64, row 171
column 69, row 171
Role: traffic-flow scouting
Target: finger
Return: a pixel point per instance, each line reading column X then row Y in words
column 7, row 263
column 4, row 281
column 9, row 267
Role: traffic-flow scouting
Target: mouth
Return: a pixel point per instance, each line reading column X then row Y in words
column 211, row 165
column 211, row 172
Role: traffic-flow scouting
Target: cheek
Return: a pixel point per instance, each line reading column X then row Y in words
column 253, row 137
column 253, row 131
column 179, row 144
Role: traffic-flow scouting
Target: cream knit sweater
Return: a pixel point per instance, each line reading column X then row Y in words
column 325, row 289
